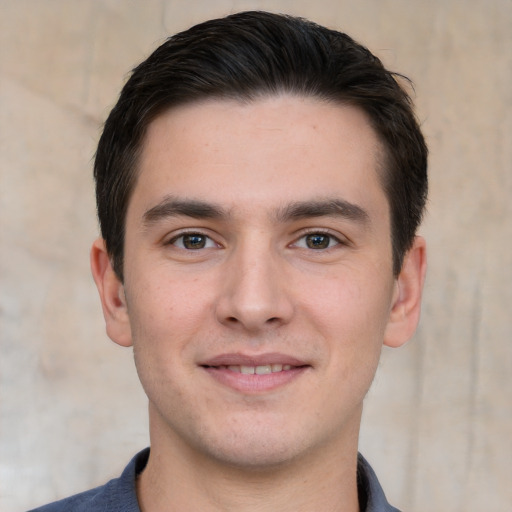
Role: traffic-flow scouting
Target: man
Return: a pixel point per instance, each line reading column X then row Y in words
column 259, row 186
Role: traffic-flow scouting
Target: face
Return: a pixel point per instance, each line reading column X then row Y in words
column 258, row 277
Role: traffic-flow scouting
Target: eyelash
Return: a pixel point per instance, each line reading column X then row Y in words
column 182, row 235
column 320, row 233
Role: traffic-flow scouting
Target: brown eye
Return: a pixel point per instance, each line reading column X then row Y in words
column 193, row 241
column 318, row 241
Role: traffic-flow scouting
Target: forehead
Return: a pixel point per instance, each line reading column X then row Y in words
column 267, row 151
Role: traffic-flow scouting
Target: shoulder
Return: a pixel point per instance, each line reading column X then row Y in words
column 118, row 495
column 93, row 500
column 371, row 495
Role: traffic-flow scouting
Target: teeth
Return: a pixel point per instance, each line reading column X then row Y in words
column 259, row 370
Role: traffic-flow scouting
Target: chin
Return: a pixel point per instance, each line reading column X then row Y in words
column 256, row 458
column 256, row 450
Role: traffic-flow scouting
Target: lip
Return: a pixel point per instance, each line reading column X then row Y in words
column 216, row 368
column 235, row 359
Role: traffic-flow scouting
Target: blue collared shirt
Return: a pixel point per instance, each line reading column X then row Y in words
column 119, row 495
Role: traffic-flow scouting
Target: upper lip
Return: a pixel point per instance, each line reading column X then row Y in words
column 238, row 359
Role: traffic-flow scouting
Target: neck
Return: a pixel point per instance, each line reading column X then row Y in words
column 177, row 478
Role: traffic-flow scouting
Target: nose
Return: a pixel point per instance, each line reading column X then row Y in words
column 255, row 293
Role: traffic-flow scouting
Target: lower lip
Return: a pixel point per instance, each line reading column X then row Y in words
column 254, row 383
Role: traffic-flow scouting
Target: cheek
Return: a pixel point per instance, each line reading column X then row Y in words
column 160, row 347
column 352, row 316
column 166, row 302
column 162, row 323
column 352, row 305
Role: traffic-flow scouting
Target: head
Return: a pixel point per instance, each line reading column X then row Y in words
column 254, row 55
column 264, row 178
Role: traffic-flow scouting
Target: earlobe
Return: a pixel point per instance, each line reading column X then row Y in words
column 111, row 290
column 406, row 307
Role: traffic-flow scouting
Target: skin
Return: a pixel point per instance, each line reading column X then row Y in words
column 257, row 232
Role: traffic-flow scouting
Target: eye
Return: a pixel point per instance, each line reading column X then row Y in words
column 317, row 241
column 193, row 241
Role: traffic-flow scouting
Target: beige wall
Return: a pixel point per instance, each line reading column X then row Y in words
column 438, row 421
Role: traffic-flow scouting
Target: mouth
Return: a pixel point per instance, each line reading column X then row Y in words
column 254, row 374
column 263, row 369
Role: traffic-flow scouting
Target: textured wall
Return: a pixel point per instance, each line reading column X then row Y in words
column 438, row 421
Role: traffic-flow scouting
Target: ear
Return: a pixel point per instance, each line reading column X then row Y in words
column 112, row 296
column 406, row 306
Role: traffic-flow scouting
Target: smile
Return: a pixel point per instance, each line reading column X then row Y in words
column 257, row 370
column 255, row 374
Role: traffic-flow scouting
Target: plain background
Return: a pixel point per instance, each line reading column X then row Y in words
column 438, row 420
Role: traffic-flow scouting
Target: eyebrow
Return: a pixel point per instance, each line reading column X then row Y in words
column 173, row 207
column 323, row 208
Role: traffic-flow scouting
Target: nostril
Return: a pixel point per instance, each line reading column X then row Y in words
column 234, row 320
